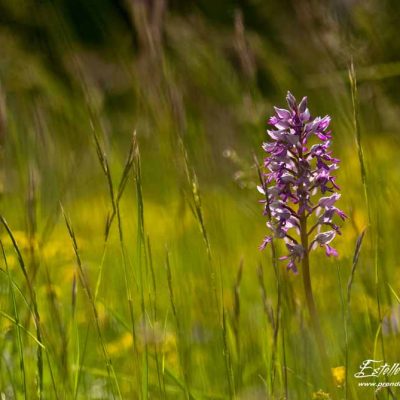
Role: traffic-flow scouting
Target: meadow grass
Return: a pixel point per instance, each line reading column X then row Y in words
column 147, row 283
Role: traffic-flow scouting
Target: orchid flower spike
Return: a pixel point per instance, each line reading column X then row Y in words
column 298, row 184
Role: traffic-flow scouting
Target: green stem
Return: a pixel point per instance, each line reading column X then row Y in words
column 312, row 309
column 306, row 274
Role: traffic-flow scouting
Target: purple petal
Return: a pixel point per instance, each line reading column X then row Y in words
column 328, row 201
column 322, row 136
column 291, row 101
column 292, row 267
column 305, row 116
column 263, row 245
column 341, row 214
column 303, row 105
column 276, row 135
column 330, row 251
column 324, row 123
column 282, row 124
column 282, row 113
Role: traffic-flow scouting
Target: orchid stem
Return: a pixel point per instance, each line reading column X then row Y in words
column 306, row 274
column 312, row 309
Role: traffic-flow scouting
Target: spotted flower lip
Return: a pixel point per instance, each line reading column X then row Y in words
column 325, row 237
column 298, row 184
column 328, row 201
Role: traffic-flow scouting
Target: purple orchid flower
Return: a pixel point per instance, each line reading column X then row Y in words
column 297, row 182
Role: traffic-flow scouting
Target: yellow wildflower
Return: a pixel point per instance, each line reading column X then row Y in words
column 339, row 375
column 321, row 395
column 121, row 344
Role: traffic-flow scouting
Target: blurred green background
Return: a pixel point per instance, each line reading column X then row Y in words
column 196, row 81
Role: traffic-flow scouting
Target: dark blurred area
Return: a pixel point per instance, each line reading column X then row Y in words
column 205, row 71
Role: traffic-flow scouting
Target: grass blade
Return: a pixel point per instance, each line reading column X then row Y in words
column 17, row 324
column 32, row 294
column 85, row 285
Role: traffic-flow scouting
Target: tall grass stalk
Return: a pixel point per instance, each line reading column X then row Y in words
column 13, row 320
column 35, row 308
column 270, row 365
column 378, row 297
column 284, row 363
column 195, row 204
column 345, row 304
column 178, row 327
column 23, row 329
column 50, row 364
column 17, row 324
column 226, row 349
column 115, row 200
column 62, row 355
column 140, row 250
column 10, row 374
column 364, row 178
column 236, row 324
column 346, row 335
column 31, row 208
column 357, row 134
column 85, row 284
column 115, row 212
column 80, row 359
column 356, row 256
column 160, row 375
